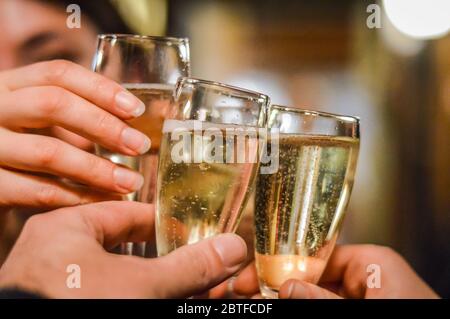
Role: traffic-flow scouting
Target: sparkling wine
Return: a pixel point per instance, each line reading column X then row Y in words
column 299, row 209
column 158, row 101
column 198, row 198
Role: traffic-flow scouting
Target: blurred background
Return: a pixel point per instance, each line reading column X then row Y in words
column 322, row 55
column 388, row 64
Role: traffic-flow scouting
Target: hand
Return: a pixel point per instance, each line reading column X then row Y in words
column 346, row 277
column 50, row 242
column 63, row 99
column 245, row 231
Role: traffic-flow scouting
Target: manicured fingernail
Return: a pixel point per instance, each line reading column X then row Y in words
column 127, row 179
column 130, row 104
column 135, row 140
column 231, row 249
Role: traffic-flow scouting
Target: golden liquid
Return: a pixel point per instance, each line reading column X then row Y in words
column 299, row 209
column 199, row 200
column 158, row 101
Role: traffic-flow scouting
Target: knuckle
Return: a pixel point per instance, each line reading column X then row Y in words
column 201, row 262
column 35, row 224
column 309, row 292
column 93, row 163
column 100, row 84
column 109, row 126
column 46, row 153
column 376, row 254
column 47, row 195
column 105, row 122
column 379, row 251
column 387, row 252
column 51, row 99
column 55, row 70
column 97, row 167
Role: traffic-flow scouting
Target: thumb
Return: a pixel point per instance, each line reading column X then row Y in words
column 296, row 289
column 192, row 269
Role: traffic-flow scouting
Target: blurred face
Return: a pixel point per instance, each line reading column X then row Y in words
column 33, row 31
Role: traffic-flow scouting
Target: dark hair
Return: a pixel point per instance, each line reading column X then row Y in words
column 100, row 12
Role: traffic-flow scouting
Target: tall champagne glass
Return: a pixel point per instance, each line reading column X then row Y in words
column 208, row 161
column 299, row 208
column 148, row 67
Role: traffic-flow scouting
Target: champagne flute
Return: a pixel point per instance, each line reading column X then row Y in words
column 148, row 67
column 299, row 208
column 208, row 161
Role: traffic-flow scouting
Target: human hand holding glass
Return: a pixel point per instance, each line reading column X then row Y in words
column 50, row 113
column 81, row 236
column 346, row 276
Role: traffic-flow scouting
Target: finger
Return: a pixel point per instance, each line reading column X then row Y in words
column 39, row 107
column 65, row 135
column 246, row 283
column 346, row 269
column 338, row 263
column 296, row 289
column 112, row 223
column 50, row 155
column 346, row 257
column 194, row 268
column 334, row 287
column 92, row 86
column 72, row 138
column 24, row 190
column 220, row 291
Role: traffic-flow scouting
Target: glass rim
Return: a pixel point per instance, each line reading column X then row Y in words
column 155, row 38
column 191, row 80
column 341, row 117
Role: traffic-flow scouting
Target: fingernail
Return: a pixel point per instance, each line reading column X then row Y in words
column 130, row 104
column 295, row 290
column 231, row 249
column 290, row 290
column 230, row 286
column 128, row 179
column 135, row 140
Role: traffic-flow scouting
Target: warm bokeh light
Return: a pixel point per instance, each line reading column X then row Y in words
column 423, row 19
